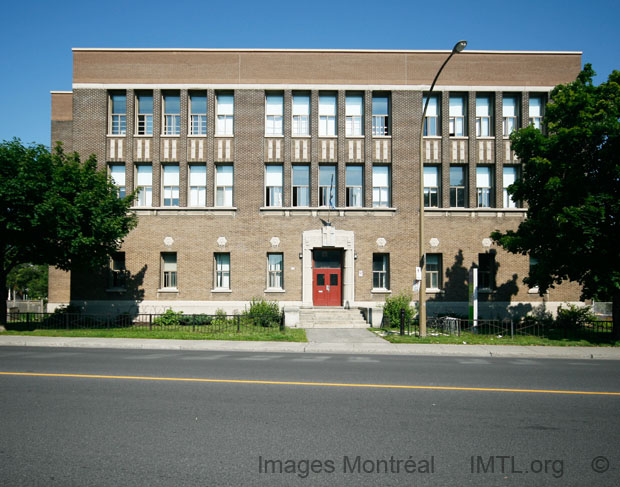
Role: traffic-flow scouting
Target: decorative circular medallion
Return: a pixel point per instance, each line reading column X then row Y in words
column 381, row 242
column 275, row 241
column 434, row 242
column 486, row 242
column 221, row 241
column 168, row 241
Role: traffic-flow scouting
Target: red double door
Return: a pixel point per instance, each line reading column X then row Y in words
column 327, row 277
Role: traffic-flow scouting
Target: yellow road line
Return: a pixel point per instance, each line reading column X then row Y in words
column 316, row 384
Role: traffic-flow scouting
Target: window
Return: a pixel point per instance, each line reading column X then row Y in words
column 118, row 273
column 168, row 270
column 354, row 113
column 510, row 177
column 225, row 109
column 197, row 185
column 431, row 187
column 224, row 186
column 144, row 115
column 145, row 185
column 172, row 114
column 484, row 186
column 273, row 185
column 301, row 115
column 380, row 115
column 381, row 271
column 458, row 186
column 327, row 186
column 458, row 120
column 117, row 173
column 380, row 186
column 171, row 185
column 301, row 186
column 327, row 115
column 275, row 271
column 432, row 120
column 537, row 110
column 354, row 177
column 222, row 271
column 274, row 111
column 198, row 114
column 433, row 271
column 118, row 114
column 510, row 109
column 484, row 116
column 486, row 271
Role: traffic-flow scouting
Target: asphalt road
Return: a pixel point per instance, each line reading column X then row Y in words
column 450, row 425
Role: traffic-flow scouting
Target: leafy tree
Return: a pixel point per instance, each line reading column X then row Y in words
column 56, row 210
column 571, row 182
column 30, row 280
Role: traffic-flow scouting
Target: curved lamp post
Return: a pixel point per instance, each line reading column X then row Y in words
column 458, row 47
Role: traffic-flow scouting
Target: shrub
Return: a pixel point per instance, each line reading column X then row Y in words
column 574, row 316
column 392, row 307
column 169, row 318
column 263, row 313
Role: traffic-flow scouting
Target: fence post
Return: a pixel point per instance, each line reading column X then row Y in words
column 238, row 323
column 150, row 322
column 282, row 321
column 402, row 322
column 512, row 329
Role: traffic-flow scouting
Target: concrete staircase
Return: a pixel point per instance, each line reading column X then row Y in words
column 327, row 317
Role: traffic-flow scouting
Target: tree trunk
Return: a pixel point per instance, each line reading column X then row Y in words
column 615, row 311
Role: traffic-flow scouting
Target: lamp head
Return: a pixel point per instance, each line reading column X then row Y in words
column 459, row 46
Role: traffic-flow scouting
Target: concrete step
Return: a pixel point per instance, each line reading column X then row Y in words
column 331, row 318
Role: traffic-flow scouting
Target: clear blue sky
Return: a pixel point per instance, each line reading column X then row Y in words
column 38, row 35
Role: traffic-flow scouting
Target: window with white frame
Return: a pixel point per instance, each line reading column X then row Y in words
column 327, row 115
column 117, row 173
column 170, row 183
column 354, row 115
column 197, row 113
column 431, row 186
column 484, row 116
column 222, row 271
column 144, row 114
column 118, row 114
column 354, row 181
column 537, row 109
column 275, row 271
column 510, row 174
column 224, row 186
column 433, row 271
column 381, row 271
column 458, row 118
column 380, row 115
column 197, row 185
column 144, row 185
column 301, row 115
column 301, row 185
column 172, row 114
column 273, row 185
column 169, row 270
column 458, row 186
column 380, row 186
column 274, row 111
column 225, row 111
column 328, row 186
column 484, row 186
column 432, row 119
column 510, row 112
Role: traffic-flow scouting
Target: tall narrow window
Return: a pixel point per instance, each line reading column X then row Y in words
column 222, row 271
column 432, row 120
column 273, row 185
column 145, row 185
column 509, row 177
column 301, row 185
column 301, row 115
column 486, row 271
column 169, row 270
column 117, row 173
column 380, row 186
column 118, row 114
column 380, row 115
column 198, row 114
column 327, row 115
column 225, row 109
column 171, row 185
column 433, row 271
column 510, row 109
column 144, row 114
column 537, row 109
column 327, row 186
column 458, row 186
column 275, row 271
column 484, row 116
column 224, row 186
column 354, row 178
column 354, row 113
column 118, row 272
column 197, row 185
column 484, row 186
column 274, row 111
column 431, row 187
column 172, row 114
column 458, row 125
column 381, row 271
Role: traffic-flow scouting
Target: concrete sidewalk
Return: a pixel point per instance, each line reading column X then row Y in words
column 320, row 341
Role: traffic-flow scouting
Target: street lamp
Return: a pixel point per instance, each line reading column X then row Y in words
column 458, row 47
